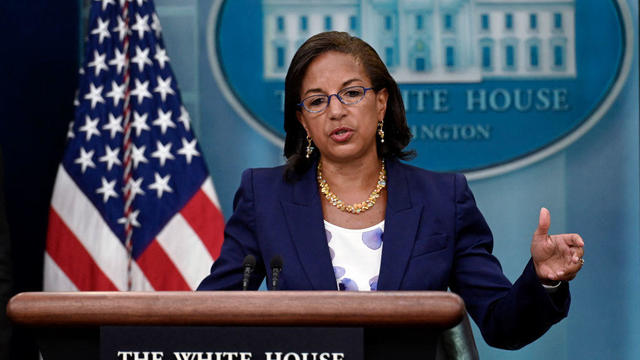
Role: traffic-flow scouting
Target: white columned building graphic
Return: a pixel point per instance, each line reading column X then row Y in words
column 434, row 41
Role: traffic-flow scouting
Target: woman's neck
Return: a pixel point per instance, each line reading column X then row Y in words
column 349, row 179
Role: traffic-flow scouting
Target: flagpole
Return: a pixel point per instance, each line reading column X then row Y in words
column 126, row 178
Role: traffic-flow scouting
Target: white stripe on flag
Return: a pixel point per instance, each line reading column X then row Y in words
column 210, row 191
column 183, row 246
column 139, row 281
column 92, row 231
column 54, row 278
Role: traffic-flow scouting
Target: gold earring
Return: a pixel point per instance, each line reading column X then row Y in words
column 381, row 132
column 309, row 147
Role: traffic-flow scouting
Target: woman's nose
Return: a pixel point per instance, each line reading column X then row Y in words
column 335, row 108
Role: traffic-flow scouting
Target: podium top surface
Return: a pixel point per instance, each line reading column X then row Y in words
column 434, row 309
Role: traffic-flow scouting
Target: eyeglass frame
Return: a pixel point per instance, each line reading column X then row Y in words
column 365, row 89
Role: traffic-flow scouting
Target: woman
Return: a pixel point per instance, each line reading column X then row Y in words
column 345, row 213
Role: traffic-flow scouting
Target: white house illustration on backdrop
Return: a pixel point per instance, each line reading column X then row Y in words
column 431, row 41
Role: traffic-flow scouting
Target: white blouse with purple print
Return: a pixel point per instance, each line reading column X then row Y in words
column 356, row 256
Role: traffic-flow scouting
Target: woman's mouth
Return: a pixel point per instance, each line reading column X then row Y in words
column 341, row 134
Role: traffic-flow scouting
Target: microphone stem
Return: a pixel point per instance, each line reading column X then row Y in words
column 245, row 278
column 275, row 278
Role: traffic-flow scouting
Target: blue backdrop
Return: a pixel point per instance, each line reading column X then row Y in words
column 591, row 187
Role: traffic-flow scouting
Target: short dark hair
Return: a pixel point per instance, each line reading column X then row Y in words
column 396, row 131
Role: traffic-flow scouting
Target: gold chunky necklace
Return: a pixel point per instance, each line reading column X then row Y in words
column 355, row 208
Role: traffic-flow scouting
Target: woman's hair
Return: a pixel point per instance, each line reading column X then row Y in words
column 396, row 132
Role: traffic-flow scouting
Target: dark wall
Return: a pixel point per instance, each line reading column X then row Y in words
column 38, row 75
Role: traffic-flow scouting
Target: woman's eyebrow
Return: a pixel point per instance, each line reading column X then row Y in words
column 351, row 81
column 312, row 91
column 344, row 84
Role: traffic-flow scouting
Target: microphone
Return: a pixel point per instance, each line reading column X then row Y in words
column 276, row 268
column 248, row 264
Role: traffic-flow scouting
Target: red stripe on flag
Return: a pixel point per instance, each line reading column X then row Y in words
column 206, row 220
column 71, row 256
column 160, row 270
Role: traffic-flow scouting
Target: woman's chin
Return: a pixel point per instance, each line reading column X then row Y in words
column 344, row 153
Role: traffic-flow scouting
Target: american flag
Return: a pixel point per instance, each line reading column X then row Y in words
column 133, row 207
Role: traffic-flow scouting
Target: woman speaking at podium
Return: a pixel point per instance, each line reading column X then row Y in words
column 345, row 213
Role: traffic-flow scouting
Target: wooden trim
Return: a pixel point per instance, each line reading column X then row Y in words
column 255, row 308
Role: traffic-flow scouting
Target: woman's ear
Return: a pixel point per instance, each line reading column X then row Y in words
column 381, row 103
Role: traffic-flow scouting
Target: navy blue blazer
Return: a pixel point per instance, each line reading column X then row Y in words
column 434, row 238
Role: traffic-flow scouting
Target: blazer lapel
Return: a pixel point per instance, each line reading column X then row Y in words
column 306, row 226
column 400, row 228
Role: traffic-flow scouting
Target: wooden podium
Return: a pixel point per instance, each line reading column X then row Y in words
column 393, row 324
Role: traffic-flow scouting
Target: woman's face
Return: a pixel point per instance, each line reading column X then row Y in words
column 341, row 133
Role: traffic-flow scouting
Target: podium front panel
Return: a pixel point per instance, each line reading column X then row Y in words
column 230, row 343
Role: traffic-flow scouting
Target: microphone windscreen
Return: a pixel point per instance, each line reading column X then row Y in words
column 249, row 261
column 276, row 262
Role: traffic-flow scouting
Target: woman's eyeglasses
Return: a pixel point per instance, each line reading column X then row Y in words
column 348, row 96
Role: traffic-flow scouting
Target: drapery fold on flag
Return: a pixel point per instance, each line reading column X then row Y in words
column 133, row 206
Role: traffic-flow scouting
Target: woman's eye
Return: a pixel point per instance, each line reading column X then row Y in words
column 317, row 101
column 353, row 93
